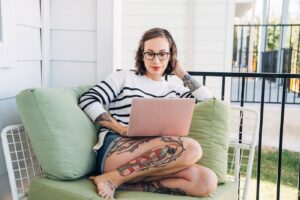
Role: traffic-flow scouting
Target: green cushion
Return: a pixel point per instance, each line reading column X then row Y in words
column 42, row 188
column 61, row 134
column 210, row 127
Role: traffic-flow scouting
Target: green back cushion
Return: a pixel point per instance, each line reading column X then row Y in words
column 210, row 127
column 60, row 133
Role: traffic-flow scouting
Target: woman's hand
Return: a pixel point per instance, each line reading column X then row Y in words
column 179, row 71
column 109, row 122
column 123, row 130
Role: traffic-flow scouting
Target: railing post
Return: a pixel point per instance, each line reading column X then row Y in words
column 281, row 138
column 243, row 92
column 223, row 88
column 260, row 136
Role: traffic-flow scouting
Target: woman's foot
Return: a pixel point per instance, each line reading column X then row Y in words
column 105, row 185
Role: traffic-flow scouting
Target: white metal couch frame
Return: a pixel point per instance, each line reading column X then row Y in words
column 22, row 165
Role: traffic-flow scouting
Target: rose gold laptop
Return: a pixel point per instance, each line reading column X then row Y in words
column 160, row 116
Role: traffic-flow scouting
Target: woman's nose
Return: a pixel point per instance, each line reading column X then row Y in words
column 156, row 59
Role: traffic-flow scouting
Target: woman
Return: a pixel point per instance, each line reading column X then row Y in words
column 155, row 164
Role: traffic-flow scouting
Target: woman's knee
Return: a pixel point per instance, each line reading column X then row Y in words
column 203, row 180
column 193, row 150
column 209, row 182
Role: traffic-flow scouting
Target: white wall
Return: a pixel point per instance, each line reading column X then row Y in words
column 202, row 30
column 25, row 71
column 81, row 41
column 73, row 42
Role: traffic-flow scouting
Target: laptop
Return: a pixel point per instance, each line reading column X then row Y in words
column 160, row 116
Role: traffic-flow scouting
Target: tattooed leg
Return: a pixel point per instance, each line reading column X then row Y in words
column 193, row 181
column 157, row 187
column 160, row 155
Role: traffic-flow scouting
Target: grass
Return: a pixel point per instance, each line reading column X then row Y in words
column 268, row 174
column 269, row 163
column 269, row 166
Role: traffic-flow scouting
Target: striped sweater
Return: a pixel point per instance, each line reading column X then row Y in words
column 115, row 94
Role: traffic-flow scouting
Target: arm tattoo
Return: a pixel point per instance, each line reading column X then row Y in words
column 103, row 117
column 157, row 187
column 190, row 82
column 157, row 157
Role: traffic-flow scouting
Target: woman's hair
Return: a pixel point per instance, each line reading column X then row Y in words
column 148, row 35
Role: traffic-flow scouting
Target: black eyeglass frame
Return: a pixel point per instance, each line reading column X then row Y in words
column 156, row 54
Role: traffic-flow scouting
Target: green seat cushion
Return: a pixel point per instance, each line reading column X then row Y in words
column 210, row 127
column 46, row 189
column 61, row 135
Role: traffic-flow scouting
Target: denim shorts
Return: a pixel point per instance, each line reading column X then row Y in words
column 109, row 140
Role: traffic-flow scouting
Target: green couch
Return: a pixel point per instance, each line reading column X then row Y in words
column 62, row 137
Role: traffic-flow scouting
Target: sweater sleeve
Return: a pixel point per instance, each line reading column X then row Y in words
column 201, row 94
column 96, row 98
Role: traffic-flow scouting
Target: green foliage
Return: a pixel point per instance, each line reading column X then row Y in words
column 273, row 36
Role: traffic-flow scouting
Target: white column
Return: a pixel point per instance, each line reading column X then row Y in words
column 263, row 32
column 283, row 30
column 252, row 37
column 229, row 46
column 45, row 35
column 117, row 35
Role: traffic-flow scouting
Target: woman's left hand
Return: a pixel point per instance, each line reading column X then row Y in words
column 179, row 70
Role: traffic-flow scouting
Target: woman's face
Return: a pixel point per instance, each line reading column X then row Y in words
column 156, row 57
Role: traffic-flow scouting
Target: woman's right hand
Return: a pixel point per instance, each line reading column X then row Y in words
column 109, row 122
column 123, row 130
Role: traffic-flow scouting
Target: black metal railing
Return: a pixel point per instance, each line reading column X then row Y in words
column 279, row 53
column 262, row 101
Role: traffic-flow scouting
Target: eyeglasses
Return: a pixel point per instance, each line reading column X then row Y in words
column 161, row 55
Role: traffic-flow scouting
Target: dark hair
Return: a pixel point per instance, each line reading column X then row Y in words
column 148, row 35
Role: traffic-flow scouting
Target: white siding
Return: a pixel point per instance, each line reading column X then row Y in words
column 28, row 12
column 73, row 42
column 139, row 16
column 28, row 43
column 62, row 69
column 73, row 45
column 73, row 14
column 27, row 50
column 200, row 28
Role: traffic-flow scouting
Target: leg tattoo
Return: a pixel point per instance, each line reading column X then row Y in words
column 157, row 187
column 124, row 145
column 158, row 157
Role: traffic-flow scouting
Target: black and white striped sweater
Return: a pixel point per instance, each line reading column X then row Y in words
column 115, row 94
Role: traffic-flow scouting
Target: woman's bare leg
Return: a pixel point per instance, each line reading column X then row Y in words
column 193, row 181
column 162, row 156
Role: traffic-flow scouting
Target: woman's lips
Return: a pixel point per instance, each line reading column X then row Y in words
column 155, row 68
